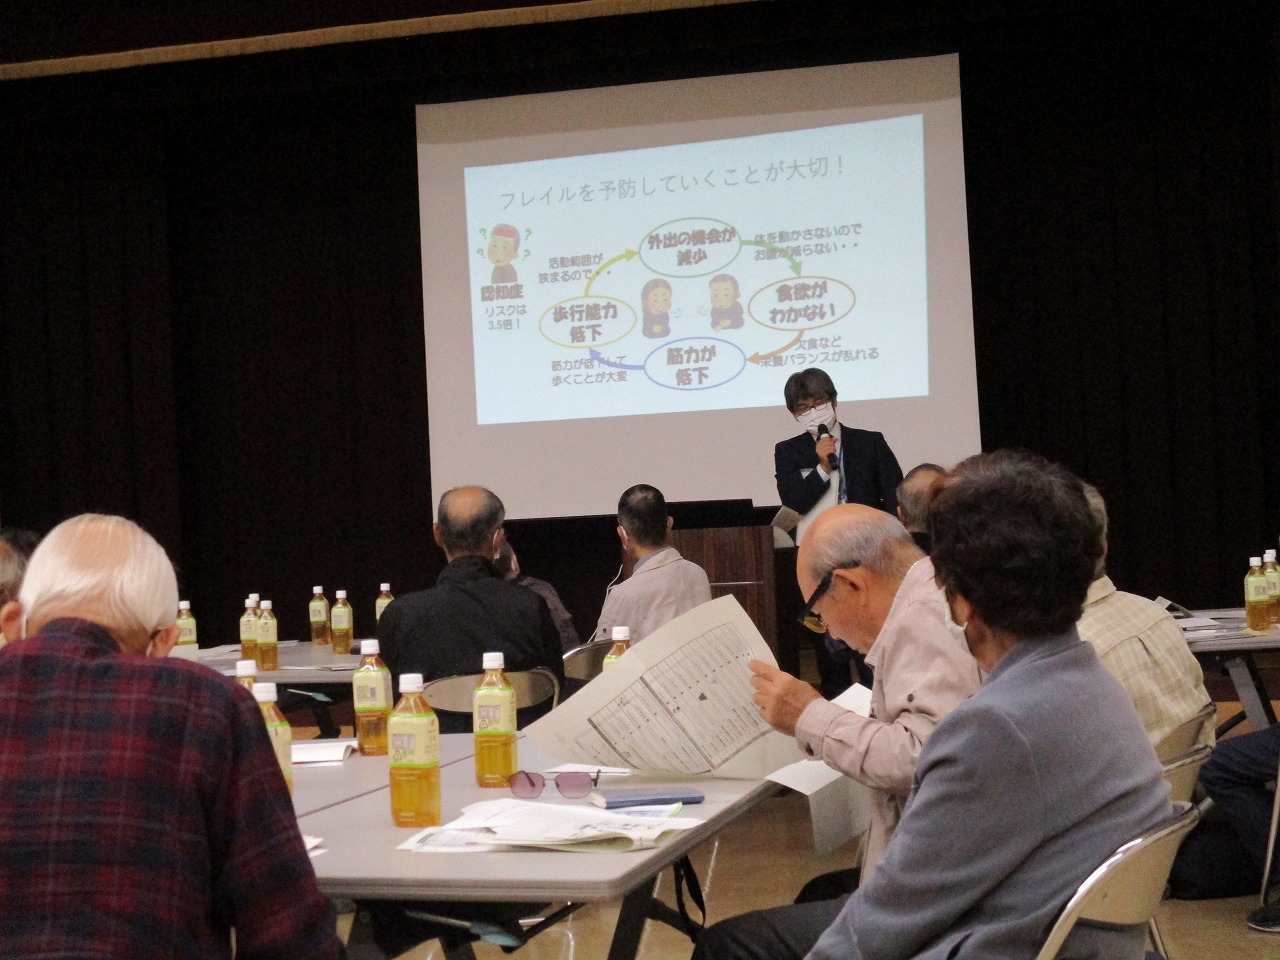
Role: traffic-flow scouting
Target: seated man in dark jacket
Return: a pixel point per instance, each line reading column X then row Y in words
column 446, row 629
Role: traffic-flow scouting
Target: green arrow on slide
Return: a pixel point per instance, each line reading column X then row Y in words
column 795, row 264
column 625, row 255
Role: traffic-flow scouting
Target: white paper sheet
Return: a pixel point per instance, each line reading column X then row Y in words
column 679, row 701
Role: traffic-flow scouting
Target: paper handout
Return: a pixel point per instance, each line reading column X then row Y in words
column 677, row 702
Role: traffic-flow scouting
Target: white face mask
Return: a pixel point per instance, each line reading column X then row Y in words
column 818, row 416
column 957, row 629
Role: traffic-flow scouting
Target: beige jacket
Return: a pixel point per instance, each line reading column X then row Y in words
column 922, row 672
column 664, row 586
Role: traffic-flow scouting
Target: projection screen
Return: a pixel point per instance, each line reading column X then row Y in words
column 618, row 281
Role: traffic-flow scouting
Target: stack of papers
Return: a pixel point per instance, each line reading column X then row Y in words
column 322, row 751
column 497, row 824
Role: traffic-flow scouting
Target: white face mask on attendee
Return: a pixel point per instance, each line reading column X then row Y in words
column 815, row 417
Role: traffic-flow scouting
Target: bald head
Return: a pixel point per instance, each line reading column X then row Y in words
column 867, row 552
column 468, row 520
column 99, row 568
column 913, row 496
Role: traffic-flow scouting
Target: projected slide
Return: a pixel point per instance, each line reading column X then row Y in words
column 700, row 276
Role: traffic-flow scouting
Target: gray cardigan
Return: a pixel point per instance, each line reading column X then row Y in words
column 1021, row 792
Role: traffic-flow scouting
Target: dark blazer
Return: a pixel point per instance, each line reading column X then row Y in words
column 871, row 471
column 471, row 611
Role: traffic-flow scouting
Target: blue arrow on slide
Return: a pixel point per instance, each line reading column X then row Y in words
column 597, row 356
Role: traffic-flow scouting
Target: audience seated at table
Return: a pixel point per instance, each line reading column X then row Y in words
column 913, row 501
column 1142, row 645
column 445, row 630
column 1009, row 814
column 508, row 565
column 663, row 584
column 879, row 596
column 145, row 812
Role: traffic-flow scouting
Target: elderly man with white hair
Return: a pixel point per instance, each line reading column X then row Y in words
column 145, row 813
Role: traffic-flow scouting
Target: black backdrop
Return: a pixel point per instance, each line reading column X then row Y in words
column 211, row 304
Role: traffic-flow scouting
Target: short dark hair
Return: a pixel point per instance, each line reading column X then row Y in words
column 807, row 384
column 1013, row 535
column 470, row 533
column 642, row 512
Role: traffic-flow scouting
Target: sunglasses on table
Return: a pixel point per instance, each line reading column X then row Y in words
column 573, row 785
column 810, row 617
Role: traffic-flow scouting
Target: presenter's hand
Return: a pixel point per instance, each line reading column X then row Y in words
column 826, row 449
column 780, row 696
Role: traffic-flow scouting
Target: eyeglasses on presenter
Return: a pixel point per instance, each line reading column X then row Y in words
column 573, row 785
column 810, row 617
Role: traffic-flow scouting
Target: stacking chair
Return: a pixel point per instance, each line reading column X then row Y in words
column 1182, row 771
column 1126, row 889
column 532, row 687
column 587, row 661
column 1186, row 735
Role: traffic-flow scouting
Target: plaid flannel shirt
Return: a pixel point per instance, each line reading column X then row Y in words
column 144, row 812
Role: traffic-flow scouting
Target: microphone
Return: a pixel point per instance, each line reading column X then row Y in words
column 832, row 463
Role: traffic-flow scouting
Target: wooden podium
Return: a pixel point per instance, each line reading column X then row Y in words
column 738, row 560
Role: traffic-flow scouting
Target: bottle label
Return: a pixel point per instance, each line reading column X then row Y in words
column 342, row 618
column 381, row 605
column 187, row 628
column 494, row 710
column 1273, row 583
column 249, row 628
column 414, row 739
column 371, row 690
column 267, row 630
column 282, row 742
column 319, row 611
column 1255, row 589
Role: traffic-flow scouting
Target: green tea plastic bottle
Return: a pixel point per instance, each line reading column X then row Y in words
column 371, row 697
column 414, row 733
column 342, row 623
column 1256, row 599
column 277, row 729
column 1272, row 573
column 621, row 644
column 249, row 630
column 268, row 639
column 247, row 673
column 384, row 597
column 493, row 713
column 318, row 613
column 187, row 646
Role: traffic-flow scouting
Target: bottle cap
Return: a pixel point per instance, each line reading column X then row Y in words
column 494, row 661
column 246, row 668
column 621, row 633
column 368, row 648
column 1255, row 561
column 186, row 604
column 264, row 692
column 1269, row 555
column 317, row 589
column 410, row 683
column 340, row 594
column 253, row 598
column 266, row 604
column 386, row 587
column 249, row 601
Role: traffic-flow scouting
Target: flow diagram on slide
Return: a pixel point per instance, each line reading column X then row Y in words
column 700, row 275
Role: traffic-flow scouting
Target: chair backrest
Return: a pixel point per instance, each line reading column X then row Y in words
column 1181, row 772
column 453, row 694
column 1127, row 888
column 1186, row 735
column 587, row 661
